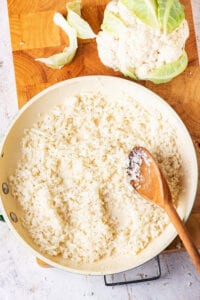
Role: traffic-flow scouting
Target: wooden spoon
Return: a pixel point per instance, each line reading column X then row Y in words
column 148, row 180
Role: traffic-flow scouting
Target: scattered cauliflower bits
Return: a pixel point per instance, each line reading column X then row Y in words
column 138, row 47
column 72, row 181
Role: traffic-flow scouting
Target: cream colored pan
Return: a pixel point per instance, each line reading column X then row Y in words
column 57, row 94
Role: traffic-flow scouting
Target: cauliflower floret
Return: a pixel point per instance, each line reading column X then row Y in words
column 137, row 47
column 171, row 47
column 109, row 54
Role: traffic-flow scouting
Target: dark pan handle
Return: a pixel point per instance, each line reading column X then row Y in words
column 2, row 218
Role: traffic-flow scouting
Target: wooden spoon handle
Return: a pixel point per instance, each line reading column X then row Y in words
column 184, row 235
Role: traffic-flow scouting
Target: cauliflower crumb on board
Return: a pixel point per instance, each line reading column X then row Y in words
column 72, row 184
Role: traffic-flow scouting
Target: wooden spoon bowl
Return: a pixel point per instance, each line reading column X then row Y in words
column 148, row 180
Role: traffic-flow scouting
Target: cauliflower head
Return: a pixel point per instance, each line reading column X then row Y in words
column 144, row 39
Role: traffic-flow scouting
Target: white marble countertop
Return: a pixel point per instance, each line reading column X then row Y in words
column 21, row 277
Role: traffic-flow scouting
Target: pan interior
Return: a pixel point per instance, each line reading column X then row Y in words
column 111, row 86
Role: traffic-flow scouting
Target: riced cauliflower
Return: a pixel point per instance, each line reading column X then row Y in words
column 71, row 179
column 144, row 39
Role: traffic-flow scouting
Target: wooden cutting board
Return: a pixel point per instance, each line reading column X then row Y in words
column 33, row 35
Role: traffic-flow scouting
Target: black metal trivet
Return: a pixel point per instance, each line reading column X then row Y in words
column 157, row 276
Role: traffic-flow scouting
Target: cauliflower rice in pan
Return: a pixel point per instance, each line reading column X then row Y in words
column 72, row 183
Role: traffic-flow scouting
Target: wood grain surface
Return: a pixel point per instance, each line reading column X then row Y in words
column 33, row 35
